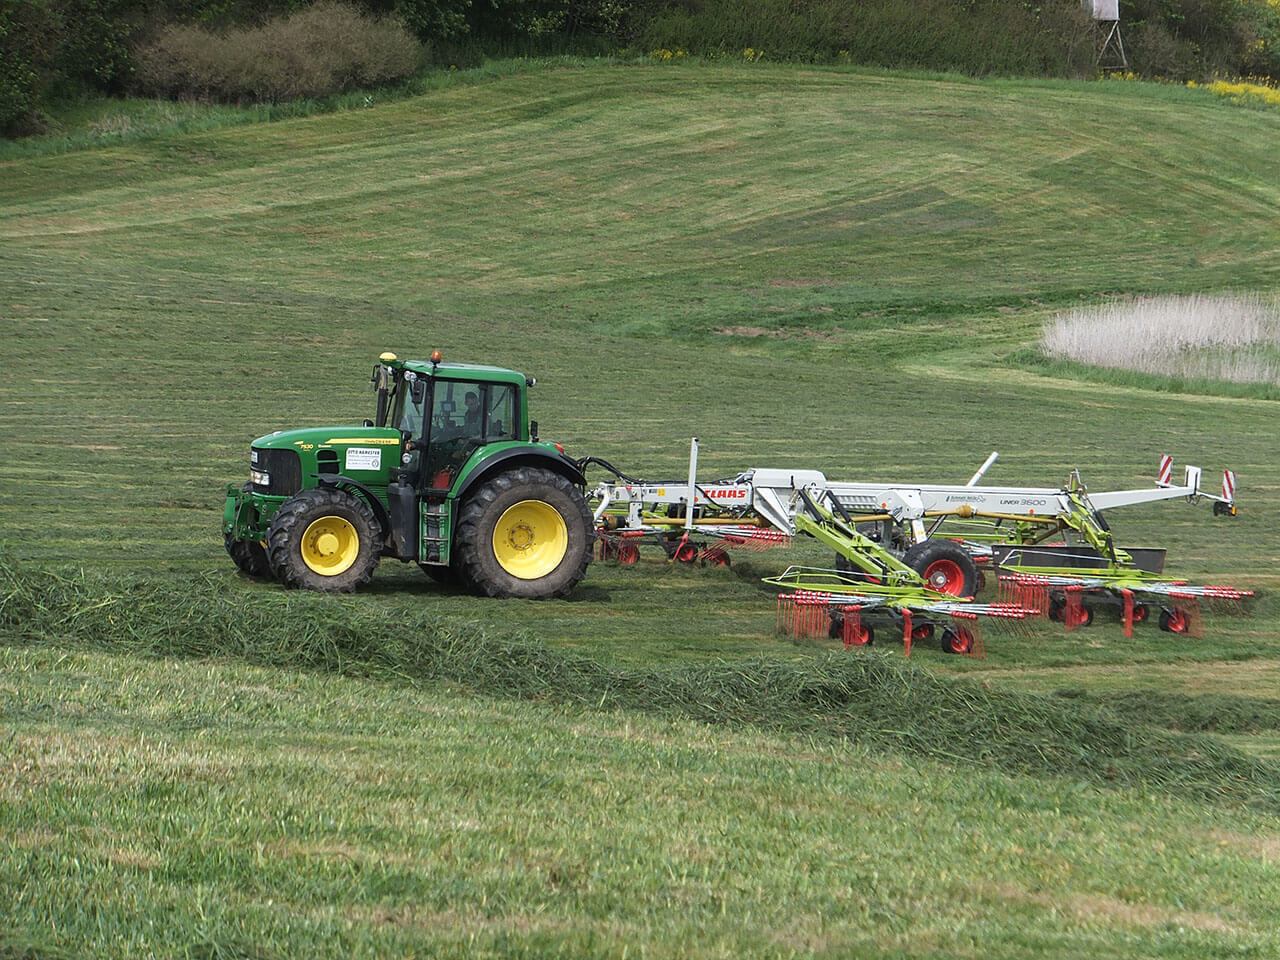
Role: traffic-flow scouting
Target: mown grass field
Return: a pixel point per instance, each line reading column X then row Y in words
column 803, row 267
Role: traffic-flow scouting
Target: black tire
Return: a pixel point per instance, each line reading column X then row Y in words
column 299, row 556
column 545, row 493
column 945, row 566
column 248, row 556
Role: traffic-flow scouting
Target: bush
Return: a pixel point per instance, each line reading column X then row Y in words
column 322, row 49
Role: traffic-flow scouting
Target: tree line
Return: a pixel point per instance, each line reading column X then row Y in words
column 237, row 50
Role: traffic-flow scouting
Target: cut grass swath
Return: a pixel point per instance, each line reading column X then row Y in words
column 867, row 698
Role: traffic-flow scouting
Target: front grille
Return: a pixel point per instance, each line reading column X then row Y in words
column 285, row 468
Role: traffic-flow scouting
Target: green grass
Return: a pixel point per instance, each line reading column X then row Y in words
column 215, row 809
column 814, row 268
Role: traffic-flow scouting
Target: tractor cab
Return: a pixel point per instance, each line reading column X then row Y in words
column 447, row 412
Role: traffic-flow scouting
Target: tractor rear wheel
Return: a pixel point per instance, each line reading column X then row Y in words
column 525, row 533
column 248, row 556
column 324, row 539
column 945, row 566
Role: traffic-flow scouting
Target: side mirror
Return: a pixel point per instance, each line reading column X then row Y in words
column 533, row 430
column 368, row 422
column 418, row 391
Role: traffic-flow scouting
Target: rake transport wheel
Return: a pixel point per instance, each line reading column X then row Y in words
column 324, row 539
column 946, row 567
column 248, row 556
column 525, row 533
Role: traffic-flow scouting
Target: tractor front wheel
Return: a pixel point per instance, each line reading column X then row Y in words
column 324, row 539
column 525, row 533
column 945, row 566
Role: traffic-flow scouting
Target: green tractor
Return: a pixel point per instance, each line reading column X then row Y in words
column 450, row 475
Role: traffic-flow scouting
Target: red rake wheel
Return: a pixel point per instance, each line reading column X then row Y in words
column 921, row 632
column 1175, row 620
column 686, row 553
column 1141, row 612
column 945, row 576
column 957, row 640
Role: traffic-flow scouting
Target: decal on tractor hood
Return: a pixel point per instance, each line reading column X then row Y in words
column 364, row 458
column 381, row 441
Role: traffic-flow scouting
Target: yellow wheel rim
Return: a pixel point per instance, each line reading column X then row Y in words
column 530, row 539
column 330, row 546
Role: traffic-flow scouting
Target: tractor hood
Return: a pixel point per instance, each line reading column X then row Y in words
column 329, row 438
column 365, row 454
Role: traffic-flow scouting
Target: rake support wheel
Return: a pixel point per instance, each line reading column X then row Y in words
column 526, row 532
column 945, row 566
column 957, row 639
column 324, row 539
column 1175, row 620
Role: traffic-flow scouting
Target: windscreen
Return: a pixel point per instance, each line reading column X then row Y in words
column 465, row 415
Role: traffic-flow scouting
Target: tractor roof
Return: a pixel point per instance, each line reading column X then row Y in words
column 460, row 371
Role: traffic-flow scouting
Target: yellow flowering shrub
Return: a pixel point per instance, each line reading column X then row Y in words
column 1242, row 88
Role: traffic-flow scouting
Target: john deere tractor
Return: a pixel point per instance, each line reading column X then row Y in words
column 450, row 474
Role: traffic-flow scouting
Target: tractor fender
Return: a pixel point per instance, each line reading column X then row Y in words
column 521, row 456
column 347, row 485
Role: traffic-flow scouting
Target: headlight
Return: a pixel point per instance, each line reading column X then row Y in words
column 260, row 478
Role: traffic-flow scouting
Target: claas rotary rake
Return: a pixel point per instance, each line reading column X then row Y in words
column 911, row 556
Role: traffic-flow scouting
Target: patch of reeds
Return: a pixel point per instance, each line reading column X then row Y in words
column 876, row 699
column 1227, row 338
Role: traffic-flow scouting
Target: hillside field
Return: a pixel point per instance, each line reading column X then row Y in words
column 803, row 267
